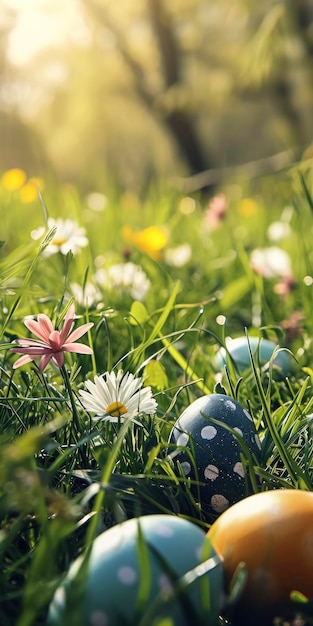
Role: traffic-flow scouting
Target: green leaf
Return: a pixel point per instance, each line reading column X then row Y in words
column 145, row 570
column 306, row 191
column 238, row 581
column 138, row 314
column 137, row 356
column 297, row 596
column 154, row 374
column 234, row 292
column 309, row 371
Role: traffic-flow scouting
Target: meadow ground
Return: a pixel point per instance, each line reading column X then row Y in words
column 99, row 286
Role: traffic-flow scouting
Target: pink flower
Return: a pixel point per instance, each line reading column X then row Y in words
column 216, row 211
column 52, row 343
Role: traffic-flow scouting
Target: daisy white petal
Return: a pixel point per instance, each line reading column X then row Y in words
column 116, row 397
column 69, row 236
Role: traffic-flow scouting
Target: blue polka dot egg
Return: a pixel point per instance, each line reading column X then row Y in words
column 131, row 574
column 212, row 454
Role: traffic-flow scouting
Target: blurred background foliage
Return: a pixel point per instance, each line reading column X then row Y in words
column 136, row 89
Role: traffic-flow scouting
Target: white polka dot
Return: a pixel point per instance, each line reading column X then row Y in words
column 127, row 575
column 230, row 405
column 199, row 553
column 182, row 439
column 208, row 432
column 239, row 431
column 98, row 618
column 59, row 596
column 165, row 583
column 186, row 467
column 257, row 441
column 248, row 415
column 219, row 503
column 164, row 531
column 239, row 469
column 211, row 472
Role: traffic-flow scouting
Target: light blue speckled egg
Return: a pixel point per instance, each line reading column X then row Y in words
column 262, row 350
column 131, row 573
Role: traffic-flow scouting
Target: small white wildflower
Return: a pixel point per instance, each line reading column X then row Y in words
column 278, row 230
column 96, row 201
column 179, row 256
column 86, row 296
column 271, row 262
column 126, row 277
column 116, row 397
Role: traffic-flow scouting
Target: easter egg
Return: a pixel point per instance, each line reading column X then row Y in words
column 262, row 351
column 211, row 454
column 132, row 571
column 272, row 533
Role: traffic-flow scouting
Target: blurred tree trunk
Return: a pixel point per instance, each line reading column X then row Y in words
column 287, row 49
column 295, row 93
column 303, row 14
column 178, row 120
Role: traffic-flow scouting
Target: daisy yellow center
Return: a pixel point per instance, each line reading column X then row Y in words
column 116, row 409
column 59, row 241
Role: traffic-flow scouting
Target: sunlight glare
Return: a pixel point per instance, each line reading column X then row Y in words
column 40, row 24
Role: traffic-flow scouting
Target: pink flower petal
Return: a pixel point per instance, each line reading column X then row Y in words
column 42, row 328
column 31, row 343
column 44, row 361
column 79, row 332
column 22, row 361
column 70, row 313
column 32, row 350
column 80, row 348
column 58, row 359
column 55, row 341
column 68, row 323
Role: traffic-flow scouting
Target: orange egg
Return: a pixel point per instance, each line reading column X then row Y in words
column 272, row 533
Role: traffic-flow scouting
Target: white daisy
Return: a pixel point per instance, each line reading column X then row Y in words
column 116, row 397
column 69, row 236
column 127, row 277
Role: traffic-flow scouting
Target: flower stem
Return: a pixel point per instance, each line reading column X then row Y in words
column 75, row 426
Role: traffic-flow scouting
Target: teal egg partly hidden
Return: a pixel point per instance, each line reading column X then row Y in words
column 132, row 571
column 262, row 351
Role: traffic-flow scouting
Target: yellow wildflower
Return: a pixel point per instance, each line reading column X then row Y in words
column 248, row 207
column 13, row 179
column 150, row 240
column 29, row 192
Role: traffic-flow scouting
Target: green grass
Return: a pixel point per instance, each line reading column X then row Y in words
column 58, row 489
